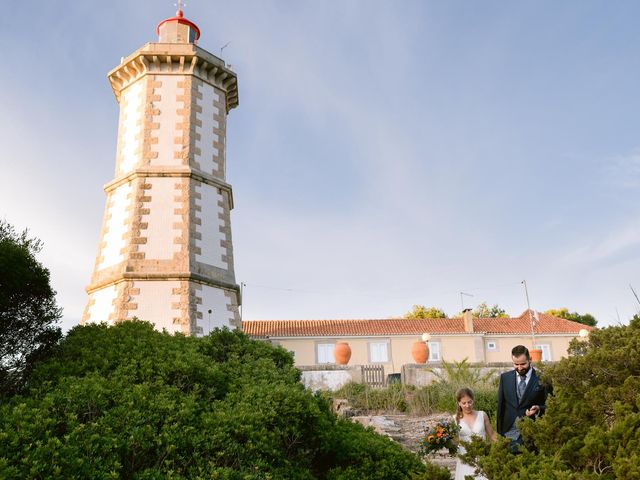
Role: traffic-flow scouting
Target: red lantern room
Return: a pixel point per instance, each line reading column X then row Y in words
column 178, row 29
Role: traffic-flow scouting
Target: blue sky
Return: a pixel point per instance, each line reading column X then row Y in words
column 384, row 154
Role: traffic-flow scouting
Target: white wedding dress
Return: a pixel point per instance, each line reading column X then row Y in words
column 466, row 433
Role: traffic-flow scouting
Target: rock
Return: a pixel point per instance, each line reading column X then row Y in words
column 408, row 431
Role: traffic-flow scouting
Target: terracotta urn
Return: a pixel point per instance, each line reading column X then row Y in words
column 420, row 352
column 536, row 354
column 342, row 353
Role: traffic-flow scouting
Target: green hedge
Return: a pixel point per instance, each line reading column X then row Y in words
column 130, row 402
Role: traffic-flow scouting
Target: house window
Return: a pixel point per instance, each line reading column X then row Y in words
column 492, row 346
column 434, row 351
column 324, row 352
column 378, row 352
column 546, row 351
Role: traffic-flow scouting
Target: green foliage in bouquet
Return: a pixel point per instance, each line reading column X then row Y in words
column 130, row 402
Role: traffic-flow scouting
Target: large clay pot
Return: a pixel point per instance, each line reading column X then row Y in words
column 342, row 353
column 536, row 354
column 420, row 352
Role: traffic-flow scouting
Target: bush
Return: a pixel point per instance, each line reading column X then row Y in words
column 592, row 425
column 128, row 401
column 444, row 400
column 437, row 397
column 392, row 399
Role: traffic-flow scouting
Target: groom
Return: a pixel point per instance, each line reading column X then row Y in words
column 520, row 394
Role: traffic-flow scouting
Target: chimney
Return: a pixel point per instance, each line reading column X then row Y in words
column 467, row 316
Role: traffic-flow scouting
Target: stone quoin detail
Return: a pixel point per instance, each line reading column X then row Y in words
column 165, row 253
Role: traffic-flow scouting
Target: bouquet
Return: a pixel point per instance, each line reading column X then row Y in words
column 443, row 434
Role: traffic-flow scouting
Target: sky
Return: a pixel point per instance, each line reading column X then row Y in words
column 384, row 153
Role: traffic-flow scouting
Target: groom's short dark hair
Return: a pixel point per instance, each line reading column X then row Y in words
column 520, row 350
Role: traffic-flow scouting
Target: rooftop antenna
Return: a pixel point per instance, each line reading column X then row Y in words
column 462, row 299
column 180, row 5
column 224, row 46
column 635, row 294
column 533, row 334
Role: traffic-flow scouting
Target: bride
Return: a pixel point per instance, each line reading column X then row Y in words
column 472, row 423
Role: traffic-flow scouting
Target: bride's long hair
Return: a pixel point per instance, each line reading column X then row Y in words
column 463, row 392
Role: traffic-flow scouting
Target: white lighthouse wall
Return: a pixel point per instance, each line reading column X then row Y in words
column 102, row 306
column 116, row 226
column 163, row 224
column 167, row 118
column 214, row 299
column 205, row 128
column 131, row 128
column 156, row 303
column 210, row 238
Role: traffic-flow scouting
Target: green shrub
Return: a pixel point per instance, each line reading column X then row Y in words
column 438, row 397
column 591, row 428
column 455, row 375
column 392, row 399
column 130, row 402
column 420, row 401
column 443, row 398
column 458, row 374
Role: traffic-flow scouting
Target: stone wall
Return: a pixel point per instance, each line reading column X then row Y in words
column 330, row 377
column 333, row 377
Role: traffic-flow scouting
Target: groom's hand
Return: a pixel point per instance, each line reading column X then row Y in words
column 533, row 411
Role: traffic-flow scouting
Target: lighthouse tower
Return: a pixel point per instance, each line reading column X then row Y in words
column 165, row 252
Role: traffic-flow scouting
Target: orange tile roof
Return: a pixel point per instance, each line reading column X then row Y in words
column 547, row 324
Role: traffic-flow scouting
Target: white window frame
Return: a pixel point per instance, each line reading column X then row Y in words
column 324, row 353
column 546, row 351
column 435, row 355
column 492, row 346
column 373, row 345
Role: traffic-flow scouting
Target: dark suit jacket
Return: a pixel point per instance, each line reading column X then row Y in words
column 508, row 406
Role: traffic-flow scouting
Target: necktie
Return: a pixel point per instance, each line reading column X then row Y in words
column 522, row 386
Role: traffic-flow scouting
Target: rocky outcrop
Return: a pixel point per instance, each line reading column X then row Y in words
column 407, row 431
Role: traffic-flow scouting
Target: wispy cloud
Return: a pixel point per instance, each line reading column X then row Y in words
column 623, row 171
column 619, row 245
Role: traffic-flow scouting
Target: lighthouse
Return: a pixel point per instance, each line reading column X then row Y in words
column 165, row 253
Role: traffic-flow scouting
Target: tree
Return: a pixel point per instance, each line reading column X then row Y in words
column 484, row 311
column 585, row 319
column 591, row 428
column 130, row 402
column 420, row 311
column 28, row 310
